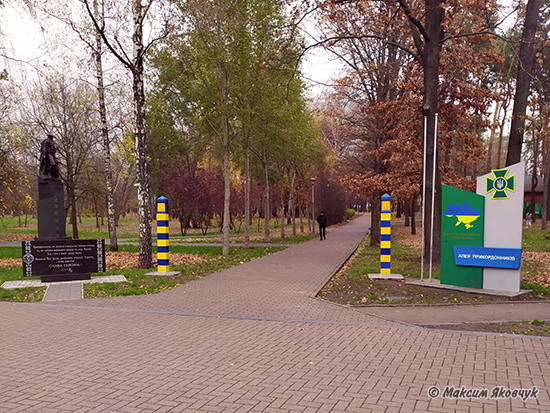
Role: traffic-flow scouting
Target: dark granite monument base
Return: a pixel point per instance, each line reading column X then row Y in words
column 51, row 208
column 63, row 259
column 53, row 239
column 65, row 277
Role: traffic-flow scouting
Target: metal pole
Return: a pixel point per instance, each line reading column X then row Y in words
column 313, row 204
column 433, row 198
column 423, row 201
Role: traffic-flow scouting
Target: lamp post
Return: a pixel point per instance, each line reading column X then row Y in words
column 313, row 204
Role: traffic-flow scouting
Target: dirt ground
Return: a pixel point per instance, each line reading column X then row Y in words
column 376, row 292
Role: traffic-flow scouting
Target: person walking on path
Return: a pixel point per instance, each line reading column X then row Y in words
column 528, row 220
column 322, row 220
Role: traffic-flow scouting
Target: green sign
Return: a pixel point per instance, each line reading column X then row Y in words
column 461, row 225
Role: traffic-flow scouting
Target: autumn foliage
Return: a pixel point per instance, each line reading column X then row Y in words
column 195, row 196
column 375, row 111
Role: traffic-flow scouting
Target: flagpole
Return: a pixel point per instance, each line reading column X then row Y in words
column 433, row 198
column 423, row 201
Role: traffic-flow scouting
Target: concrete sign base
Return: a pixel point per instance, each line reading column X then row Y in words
column 503, row 227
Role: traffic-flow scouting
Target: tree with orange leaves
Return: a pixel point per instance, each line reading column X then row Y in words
column 433, row 77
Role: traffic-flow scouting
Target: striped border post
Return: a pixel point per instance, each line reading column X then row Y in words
column 385, row 235
column 163, row 235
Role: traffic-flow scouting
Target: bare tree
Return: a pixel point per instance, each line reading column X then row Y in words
column 64, row 108
column 134, row 62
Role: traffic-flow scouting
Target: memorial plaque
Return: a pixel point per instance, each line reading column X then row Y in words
column 64, row 259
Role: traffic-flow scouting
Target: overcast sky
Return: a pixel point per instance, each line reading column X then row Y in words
column 23, row 39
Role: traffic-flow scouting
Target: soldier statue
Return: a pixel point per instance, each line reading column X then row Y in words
column 48, row 164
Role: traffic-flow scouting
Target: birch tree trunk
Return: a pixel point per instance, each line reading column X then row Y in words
column 72, row 200
column 113, row 242
column 71, row 196
column 145, row 241
column 135, row 65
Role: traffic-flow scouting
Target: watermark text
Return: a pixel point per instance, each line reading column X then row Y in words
column 498, row 392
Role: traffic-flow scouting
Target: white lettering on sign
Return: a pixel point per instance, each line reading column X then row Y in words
column 494, row 257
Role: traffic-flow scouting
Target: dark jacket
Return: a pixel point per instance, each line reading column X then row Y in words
column 322, row 220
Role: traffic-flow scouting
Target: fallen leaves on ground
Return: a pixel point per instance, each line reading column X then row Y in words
column 414, row 241
column 16, row 237
column 542, row 277
column 130, row 259
column 8, row 262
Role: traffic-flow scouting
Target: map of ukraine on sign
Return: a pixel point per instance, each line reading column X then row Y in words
column 463, row 213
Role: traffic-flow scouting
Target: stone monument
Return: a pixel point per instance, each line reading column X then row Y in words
column 51, row 199
column 53, row 255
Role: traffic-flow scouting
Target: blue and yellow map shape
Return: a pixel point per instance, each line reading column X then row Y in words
column 463, row 213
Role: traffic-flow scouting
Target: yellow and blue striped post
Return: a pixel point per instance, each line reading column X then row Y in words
column 163, row 235
column 385, row 235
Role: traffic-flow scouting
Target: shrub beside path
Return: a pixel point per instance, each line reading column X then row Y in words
column 253, row 338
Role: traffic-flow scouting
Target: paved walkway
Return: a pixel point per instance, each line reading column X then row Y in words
column 252, row 338
column 61, row 291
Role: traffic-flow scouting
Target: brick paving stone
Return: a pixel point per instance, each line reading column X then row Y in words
column 253, row 338
column 70, row 290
